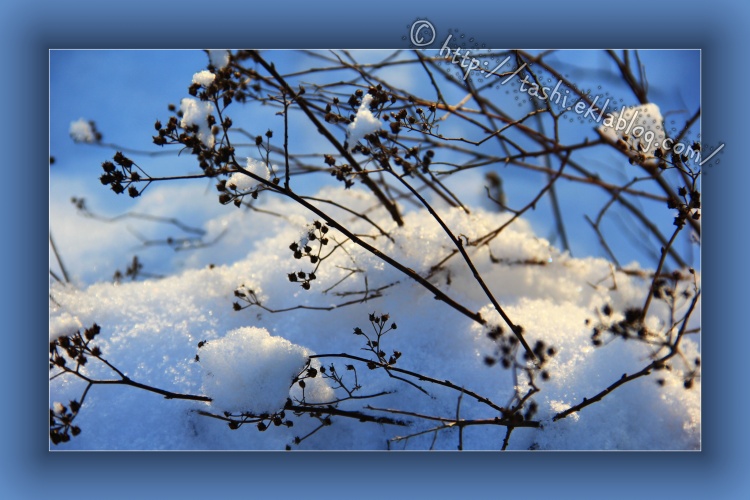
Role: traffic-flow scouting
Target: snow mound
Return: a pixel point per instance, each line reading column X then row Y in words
column 152, row 329
column 249, row 370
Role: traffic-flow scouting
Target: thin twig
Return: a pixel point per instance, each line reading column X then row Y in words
column 59, row 260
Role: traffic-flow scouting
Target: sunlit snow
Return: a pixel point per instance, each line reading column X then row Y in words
column 151, row 331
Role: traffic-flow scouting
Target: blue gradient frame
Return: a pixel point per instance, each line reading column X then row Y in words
column 30, row 471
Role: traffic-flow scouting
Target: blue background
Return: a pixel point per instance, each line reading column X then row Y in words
column 28, row 31
column 124, row 90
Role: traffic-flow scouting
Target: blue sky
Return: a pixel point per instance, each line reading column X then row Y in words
column 125, row 91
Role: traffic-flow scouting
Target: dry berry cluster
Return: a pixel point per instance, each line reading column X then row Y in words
column 123, row 176
column 309, row 247
column 69, row 354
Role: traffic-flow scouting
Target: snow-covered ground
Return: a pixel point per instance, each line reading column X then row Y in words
column 151, row 330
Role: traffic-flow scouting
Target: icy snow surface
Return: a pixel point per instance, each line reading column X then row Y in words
column 150, row 330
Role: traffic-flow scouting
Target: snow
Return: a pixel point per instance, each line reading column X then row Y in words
column 249, row 370
column 151, row 330
column 643, row 125
column 81, row 131
column 244, row 183
column 218, row 58
column 364, row 123
column 195, row 112
column 63, row 325
column 204, row 78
